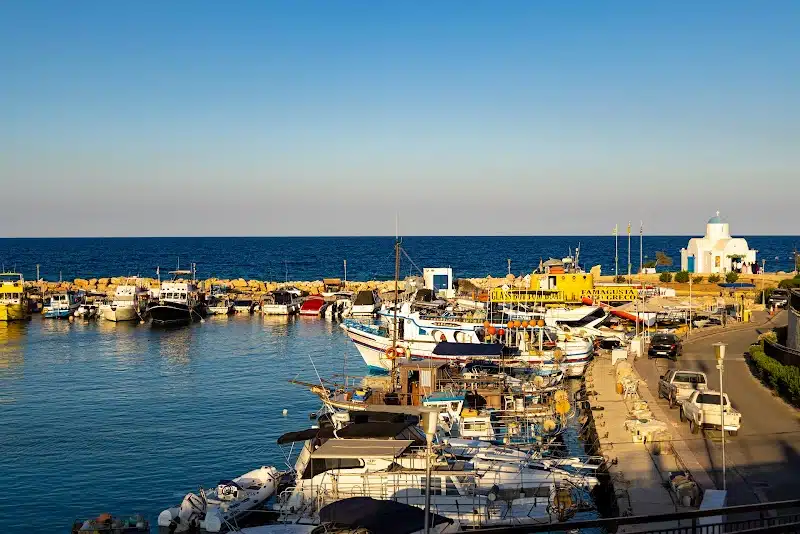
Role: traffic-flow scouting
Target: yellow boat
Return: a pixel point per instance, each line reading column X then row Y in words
column 13, row 298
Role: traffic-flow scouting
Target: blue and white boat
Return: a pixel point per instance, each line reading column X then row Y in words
column 62, row 305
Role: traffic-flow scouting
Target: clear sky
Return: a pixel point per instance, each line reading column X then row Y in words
column 468, row 117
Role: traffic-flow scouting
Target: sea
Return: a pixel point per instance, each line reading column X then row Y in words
column 368, row 258
column 123, row 418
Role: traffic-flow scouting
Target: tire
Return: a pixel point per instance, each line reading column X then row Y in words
column 660, row 395
column 682, row 416
column 693, row 428
column 672, row 402
column 733, row 433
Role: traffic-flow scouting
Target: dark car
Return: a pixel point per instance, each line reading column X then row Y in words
column 665, row 346
column 779, row 297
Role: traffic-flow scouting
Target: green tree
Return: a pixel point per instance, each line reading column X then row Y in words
column 713, row 279
column 665, row 277
column 682, row 277
column 731, row 277
column 697, row 279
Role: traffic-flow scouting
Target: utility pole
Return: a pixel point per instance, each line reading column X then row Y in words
column 720, row 354
column 616, row 251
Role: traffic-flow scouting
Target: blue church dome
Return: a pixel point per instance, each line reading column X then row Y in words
column 715, row 219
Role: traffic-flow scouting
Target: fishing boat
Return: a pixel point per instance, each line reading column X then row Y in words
column 220, row 305
column 89, row 307
column 312, row 306
column 244, row 304
column 228, row 502
column 62, row 305
column 14, row 302
column 129, row 303
column 280, row 302
column 366, row 303
column 179, row 301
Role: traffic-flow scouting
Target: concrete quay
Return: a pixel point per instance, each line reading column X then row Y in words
column 639, row 471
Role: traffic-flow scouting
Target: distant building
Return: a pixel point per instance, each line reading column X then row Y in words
column 717, row 252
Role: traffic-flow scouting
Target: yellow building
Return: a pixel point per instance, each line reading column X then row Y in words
column 13, row 298
column 565, row 288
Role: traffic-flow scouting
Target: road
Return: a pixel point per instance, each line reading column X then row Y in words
column 763, row 461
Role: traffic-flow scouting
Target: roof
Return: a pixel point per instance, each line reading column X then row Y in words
column 715, row 220
column 468, row 349
column 361, row 448
column 388, row 517
column 420, row 364
column 439, row 396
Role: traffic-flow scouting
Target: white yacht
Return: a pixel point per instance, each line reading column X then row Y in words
column 281, row 302
column 387, row 461
column 128, row 304
column 366, row 303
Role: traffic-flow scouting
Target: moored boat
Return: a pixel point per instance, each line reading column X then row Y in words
column 312, row 306
column 14, row 304
column 108, row 524
column 280, row 302
column 129, row 303
column 179, row 302
column 62, row 305
column 228, row 502
column 366, row 303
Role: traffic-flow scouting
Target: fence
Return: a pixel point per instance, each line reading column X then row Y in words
column 781, row 516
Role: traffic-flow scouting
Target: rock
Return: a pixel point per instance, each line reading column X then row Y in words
column 102, row 282
column 239, row 283
column 81, row 283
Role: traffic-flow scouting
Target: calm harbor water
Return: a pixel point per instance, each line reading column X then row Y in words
column 111, row 417
column 314, row 258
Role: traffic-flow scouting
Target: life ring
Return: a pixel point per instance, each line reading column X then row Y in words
column 390, row 353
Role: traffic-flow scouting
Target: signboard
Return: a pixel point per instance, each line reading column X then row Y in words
column 611, row 294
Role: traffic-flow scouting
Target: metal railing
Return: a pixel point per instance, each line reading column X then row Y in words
column 767, row 519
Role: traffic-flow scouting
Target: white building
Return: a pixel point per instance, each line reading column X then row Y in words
column 440, row 280
column 717, row 252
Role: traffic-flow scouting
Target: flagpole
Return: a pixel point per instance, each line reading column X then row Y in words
column 629, row 251
column 641, row 248
column 616, row 251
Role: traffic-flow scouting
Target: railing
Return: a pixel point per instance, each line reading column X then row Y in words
column 763, row 517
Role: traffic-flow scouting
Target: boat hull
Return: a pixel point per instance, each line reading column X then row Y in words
column 120, row 313
column 373, row 351
column 174, row 314
column 60, row 313
column 280, row 309
column 14, row 312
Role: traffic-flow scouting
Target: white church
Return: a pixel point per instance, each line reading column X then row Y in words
column 717, row 252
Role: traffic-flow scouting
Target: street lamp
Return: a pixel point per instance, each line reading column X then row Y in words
column 720, row 354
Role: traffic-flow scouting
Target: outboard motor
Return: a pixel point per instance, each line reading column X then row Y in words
column 193, row 509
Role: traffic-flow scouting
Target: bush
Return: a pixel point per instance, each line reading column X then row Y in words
column 650, row 264
column 620, row 279
column 731, row 277
column 790, row 283
column 697, row 279
column 665, row 277
column 682, row 277
column 784, row 379
column 713, row 279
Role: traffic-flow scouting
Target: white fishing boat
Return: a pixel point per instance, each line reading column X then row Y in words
column 220, row 305
column 460, row 343
column 366, row 303
column 128, row 304
column 223, row 505
column 281, row 302
column 62, row 305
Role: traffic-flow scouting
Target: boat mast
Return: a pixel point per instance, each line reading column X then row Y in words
column 396, row 284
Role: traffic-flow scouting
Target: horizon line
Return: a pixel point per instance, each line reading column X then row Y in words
column 304, row 236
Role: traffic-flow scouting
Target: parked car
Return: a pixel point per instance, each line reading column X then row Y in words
column 779, row 297
column 665, row 345
column 678, row 385
column 702, row 410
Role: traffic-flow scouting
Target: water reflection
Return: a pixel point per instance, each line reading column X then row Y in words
column 173, row 344
column 11, row 357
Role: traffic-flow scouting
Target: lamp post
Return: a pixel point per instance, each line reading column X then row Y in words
column 720, row 354
column 690, row 303
column 430, row 419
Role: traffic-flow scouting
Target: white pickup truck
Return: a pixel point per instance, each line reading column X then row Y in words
column 702, row 410
column 678, row 385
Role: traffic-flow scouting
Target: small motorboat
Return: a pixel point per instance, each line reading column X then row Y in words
column 108, row 524
column 312, row 306
column 220, row 306
column 227, row 503
column 244, row 305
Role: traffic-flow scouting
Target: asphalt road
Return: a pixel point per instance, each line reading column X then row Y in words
column 763, row 461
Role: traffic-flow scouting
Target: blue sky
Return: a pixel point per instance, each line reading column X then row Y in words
column 325, row 118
